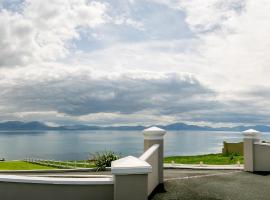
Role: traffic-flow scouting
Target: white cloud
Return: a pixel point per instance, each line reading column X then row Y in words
column 209, row 14
column 224, row 45
column 232, row 53
column 42, row 31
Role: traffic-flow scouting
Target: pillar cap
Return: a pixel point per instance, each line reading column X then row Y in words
column 154, row 133
column 251, row 133
column 130, row 165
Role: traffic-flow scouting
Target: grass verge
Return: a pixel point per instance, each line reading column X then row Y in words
column 210, row 159
column 21, row 165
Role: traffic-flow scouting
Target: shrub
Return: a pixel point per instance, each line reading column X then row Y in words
column 103, row 160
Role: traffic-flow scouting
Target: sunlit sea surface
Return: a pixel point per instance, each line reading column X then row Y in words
column 78, row 145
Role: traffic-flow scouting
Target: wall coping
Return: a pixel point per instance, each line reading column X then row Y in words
column 154, row 133
column 43, row 171
column 149, row 152
column 96, row 180
column 263, row 144
column 130, row 165
column 251, row 133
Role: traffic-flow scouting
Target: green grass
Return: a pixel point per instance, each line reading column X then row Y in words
column 21, row 165
column 210, row 159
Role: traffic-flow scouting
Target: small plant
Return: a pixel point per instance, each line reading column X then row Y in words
column 233, row 156
column 103, row 160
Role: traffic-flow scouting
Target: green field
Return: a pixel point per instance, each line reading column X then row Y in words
column 210, row 159
column 21, row 165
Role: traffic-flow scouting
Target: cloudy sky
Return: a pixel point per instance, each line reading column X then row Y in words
column 127, row 62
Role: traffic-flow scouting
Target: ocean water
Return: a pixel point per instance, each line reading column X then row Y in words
column 78, row 145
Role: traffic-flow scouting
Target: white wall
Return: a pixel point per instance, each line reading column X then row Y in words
column 151, row 156
column 261, row 157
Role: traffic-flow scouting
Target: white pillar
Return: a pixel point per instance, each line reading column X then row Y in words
column 155, row 135
column 250, row 137
column 130, row 178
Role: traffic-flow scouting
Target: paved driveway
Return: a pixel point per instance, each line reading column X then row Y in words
column 214, row 185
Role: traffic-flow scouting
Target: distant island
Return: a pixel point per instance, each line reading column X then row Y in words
column 35, row 125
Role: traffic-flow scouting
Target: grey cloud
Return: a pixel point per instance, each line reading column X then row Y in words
column 82, row 94
column 133, row 96
column 241, row 111
column 262, row 92
column 232, row 117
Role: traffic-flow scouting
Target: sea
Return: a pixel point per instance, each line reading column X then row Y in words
column 81, row 145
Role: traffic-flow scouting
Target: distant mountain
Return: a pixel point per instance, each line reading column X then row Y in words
column 17, row 125
column 35, row 125
column 182, row 126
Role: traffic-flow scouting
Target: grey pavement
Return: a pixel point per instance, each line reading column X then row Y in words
column 214, row 185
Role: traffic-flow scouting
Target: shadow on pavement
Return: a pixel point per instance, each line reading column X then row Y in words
column 159, row 189
column 262, row 173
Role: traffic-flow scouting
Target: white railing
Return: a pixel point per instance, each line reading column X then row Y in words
column 60, row 164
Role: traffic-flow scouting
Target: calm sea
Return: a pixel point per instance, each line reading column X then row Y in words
column 77, row 145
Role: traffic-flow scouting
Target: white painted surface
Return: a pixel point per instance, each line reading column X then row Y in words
column 261, row 157
column 151, row 156
column 251, row 133
column 264, row 144
column 58, row 180
column 130, row 165
column 154, row 133
column 149, row 152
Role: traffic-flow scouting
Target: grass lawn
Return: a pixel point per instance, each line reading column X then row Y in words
column 21, row 165
column 210, row 159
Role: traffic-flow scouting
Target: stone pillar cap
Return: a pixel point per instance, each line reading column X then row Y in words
column 251, row 133
column 154, row 133
column 130, row 165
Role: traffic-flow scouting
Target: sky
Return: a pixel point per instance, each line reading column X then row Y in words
column 130, row 62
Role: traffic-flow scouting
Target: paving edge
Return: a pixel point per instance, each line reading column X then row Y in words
column 203, row 167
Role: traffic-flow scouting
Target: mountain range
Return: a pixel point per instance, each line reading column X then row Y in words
column 35, row 125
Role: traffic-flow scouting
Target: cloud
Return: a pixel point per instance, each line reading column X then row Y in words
column 208, row 15
column 113, row 61
column 41, row 31
column 82, row 93
column 70, row 95
column 231, row 47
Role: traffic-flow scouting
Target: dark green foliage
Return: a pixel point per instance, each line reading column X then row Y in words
column 103, row 160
